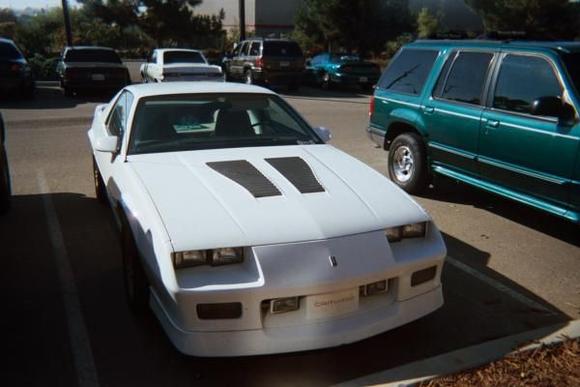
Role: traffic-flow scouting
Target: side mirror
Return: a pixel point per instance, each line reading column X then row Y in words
column 109, row 144
column 552, row 107
column 323, row 133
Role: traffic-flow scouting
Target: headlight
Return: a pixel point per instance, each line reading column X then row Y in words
column 214, row 257
column 415, row 230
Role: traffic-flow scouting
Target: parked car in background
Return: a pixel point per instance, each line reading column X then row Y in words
column 330, row 69
column 83, row 68
column 170, row 64
column 5, row 187
column 271, row 62
column 16, row 78
column 501, row 116
column 246, row 233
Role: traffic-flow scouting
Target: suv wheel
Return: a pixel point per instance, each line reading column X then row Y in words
column 248, row 77
column 407, row 163
column 326, row 81
column 4, row 183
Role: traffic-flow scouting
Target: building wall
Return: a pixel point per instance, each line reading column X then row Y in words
column 275, row 17
column 230, row 7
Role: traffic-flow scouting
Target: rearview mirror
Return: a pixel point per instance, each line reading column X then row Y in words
column 323, row 133
column 107, row 144
column 552, row 107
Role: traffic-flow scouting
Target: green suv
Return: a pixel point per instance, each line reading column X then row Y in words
column 502, row 116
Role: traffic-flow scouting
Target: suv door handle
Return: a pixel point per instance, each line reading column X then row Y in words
column 492, row 123
column 428, row 109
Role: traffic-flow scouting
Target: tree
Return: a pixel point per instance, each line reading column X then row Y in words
column 7, row 23
column 427, row 23
column 361, row 25
column 546, row 19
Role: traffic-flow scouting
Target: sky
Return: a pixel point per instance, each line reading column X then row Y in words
column 21, row 4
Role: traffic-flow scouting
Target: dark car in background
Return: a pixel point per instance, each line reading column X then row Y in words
column 270, row 62
column 91, row 68
column 329, row 69
column 5, row 189
column 16, row 77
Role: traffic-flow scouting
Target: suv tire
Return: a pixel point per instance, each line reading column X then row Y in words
column 248, row 77
column 407, row 163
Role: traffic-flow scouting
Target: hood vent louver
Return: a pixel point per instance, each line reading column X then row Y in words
column 298, row 172
column 246, row 175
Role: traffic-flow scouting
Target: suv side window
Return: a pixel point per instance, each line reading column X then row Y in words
column 523, row 79
column 245, row 49
column 255, row 49
column 408, row 71
column 464, row 81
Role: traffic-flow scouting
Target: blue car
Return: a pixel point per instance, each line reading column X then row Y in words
column 330, row 69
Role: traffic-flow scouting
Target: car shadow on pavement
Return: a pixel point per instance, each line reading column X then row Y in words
column 452, row 191
column 132, row 349
column 53, row 98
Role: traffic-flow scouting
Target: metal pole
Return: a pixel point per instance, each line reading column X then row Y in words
column 242, row 7
column 67, row 26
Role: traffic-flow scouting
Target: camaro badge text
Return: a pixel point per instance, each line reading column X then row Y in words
column 332, row 260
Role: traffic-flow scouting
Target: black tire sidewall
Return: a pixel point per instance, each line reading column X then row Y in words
column 134, row 279
column 100, row 190
column 419, row 178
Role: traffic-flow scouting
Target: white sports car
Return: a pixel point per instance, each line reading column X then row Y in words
column 173, row 64
column 246, row 233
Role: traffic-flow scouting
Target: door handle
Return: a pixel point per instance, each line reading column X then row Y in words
column 428, row 109
column 492, row 123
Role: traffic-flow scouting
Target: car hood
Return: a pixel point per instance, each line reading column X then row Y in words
column 202, row 207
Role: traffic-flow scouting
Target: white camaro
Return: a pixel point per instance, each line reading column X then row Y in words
column 247, row 234
column 173, row 64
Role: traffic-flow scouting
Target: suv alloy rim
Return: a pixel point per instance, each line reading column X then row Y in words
column 403, row 163
column 248, row 77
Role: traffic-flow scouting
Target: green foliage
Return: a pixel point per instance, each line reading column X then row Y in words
column 43, row 68
column 427, row 23
column 393, row 46
column 545, row 19
column 354, row 25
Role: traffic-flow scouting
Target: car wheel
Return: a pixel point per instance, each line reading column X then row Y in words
column 326, row 81
column 68, row 92
column 100, row 187
column 136, row 284
column 5, row 188
column 407, row 164
column 248, row 77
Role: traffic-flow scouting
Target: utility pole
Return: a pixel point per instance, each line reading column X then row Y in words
column 242, row 8
column 67, row 27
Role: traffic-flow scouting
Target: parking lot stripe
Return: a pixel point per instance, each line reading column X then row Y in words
column 499, row 286
column 77, row 331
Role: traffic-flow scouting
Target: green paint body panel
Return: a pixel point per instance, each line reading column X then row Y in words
column 533, row 160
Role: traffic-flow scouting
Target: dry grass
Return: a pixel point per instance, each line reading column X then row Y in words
column 557, row 365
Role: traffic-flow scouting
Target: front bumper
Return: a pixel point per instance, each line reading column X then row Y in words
column 303, row 270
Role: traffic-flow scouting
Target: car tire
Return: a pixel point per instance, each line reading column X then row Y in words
column 5, row 186
column 68, row 92
column 407, row 163
column 100, row 187
column 134, row 278
column 248, row 77
column 326, row 82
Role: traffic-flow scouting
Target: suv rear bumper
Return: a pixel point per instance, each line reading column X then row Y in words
column 278, row 77
column 375, row 135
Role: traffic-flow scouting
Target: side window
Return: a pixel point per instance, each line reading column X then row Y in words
column 117, row 120
column 408, row 71
column 236, row 51
column 245, row 49
column 523, row 79
column 255, row 49
column 464, row 81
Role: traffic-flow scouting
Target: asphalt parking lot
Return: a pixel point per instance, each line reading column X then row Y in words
column 511, row 268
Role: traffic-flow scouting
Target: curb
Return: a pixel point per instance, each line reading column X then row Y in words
column 467, row 358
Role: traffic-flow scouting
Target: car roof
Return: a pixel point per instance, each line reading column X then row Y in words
column 558, row 46
column 169, row 88
column 162, row 50
column 5, row 40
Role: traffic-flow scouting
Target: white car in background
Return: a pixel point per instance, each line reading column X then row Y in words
column 171, row 64
column 246, row 233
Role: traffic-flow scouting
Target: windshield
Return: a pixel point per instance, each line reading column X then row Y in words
column 8, row 51
column 572, row 62
column 282, row 49
column 171, row 57
column 92, row 55
column 207, row 121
